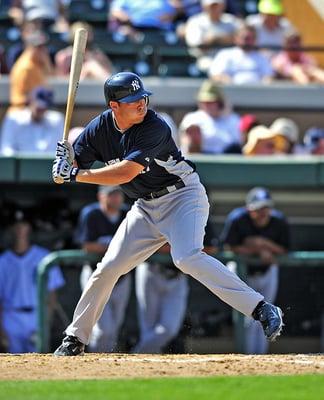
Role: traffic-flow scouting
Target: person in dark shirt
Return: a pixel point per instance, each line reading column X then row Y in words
column 171, row 206
column 97, row 224
column 258, row 230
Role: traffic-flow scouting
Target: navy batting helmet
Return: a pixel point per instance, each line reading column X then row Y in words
column 124, row 87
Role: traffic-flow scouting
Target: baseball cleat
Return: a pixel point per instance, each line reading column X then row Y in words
column 71, row 346
column 270, row 317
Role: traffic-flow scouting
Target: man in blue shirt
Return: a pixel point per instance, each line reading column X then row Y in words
column 171, row 207
column 258, row 230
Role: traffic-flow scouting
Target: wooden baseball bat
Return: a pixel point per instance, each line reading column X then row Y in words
column 79, row 45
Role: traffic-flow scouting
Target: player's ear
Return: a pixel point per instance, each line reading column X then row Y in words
column 113, row 105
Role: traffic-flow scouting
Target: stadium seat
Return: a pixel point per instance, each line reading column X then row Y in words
column 92, row 11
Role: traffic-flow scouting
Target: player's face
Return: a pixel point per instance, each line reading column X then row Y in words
column 132, row 112
column 260, row 217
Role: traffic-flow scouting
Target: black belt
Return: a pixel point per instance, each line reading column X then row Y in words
column 169, row 189
column 23, row 309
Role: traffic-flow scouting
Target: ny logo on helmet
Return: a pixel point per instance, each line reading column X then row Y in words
column 135, row 85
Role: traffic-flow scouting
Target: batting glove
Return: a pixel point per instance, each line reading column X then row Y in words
column 65, row 150
column 63, row 171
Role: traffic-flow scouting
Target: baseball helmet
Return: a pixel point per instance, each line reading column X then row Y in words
column 124, row 87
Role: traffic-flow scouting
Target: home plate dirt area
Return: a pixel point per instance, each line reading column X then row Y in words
column 112, row 366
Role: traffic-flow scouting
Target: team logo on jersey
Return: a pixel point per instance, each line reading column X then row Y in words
column 135, row 85
column 114, row 161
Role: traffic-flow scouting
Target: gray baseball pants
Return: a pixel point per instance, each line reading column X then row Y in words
column 178, row 218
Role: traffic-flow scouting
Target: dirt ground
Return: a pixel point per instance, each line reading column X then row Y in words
column 108, row 366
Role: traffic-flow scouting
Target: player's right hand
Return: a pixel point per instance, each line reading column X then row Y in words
column 63, row 171
column 64, row 149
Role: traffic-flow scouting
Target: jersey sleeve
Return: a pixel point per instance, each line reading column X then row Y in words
column 149, row 143
column 55, row 278
column 230, row 234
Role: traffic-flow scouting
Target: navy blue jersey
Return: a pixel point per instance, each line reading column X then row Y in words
column 148, row 143
column 239, row 226
column 94, row 225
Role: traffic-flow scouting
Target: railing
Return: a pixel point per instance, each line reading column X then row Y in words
column 67, row 257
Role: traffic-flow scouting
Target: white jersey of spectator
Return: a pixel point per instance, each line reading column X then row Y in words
column 266, row 37
column 200, row 26
column 241, row 66
column 18, row 296
column 21, row 134
column 218, row 134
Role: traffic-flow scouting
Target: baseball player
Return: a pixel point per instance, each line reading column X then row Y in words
column 260, row 230
column 171, row 207
column 98, row 223
column 18, row 289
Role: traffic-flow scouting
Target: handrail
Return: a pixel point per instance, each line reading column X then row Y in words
column 67, row 257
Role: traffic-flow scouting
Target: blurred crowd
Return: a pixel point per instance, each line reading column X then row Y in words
column 232, row 42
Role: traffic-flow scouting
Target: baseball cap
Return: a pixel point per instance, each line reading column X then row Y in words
column 42, row 96
column 257, row 198
column 287, row 128
column 312, row 137
column 259, row 132
column 209, row 91
column 273, row 7
column 103, row 189
column 209, row 2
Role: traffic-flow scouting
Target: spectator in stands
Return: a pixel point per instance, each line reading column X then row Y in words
column 190, row 137
column 241, row 64
column 32, row 69
column 270, row 25
column 132, row 16
column 34, row 129
column 219, row 126
column 289, row 131
column 258, row 230
column 98, row 223
column 209, row 30
column 314, row 140
column 18, row 288
column 263, row 141
column 96, row 64
column 50, row 14
column 247, row 122
column 294, row 64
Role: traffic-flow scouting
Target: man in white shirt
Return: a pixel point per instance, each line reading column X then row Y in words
column 207, row 31
column 219, row 126
column 34, row 129
column 270, row 25
column 243, row 63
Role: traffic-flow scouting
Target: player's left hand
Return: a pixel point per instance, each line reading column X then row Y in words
column 63, row 171
column 64, row 149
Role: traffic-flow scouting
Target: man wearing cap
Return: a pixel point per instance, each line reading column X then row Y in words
column 270, row 25
column 31, row 69
column 97, row 224
column 262, row 141
column 18, row 287
column 171, row 206
column 289, row 130
column 33, row 129
column 258, row 230
column 314, row 140
column 219, row 127
column 207, row 31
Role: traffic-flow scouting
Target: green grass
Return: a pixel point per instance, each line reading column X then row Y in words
column 310, row 387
